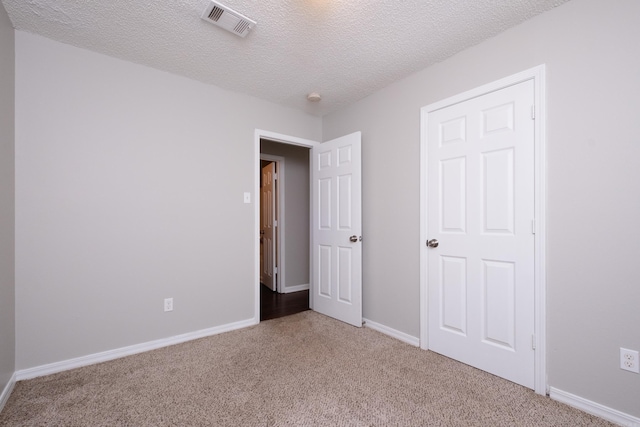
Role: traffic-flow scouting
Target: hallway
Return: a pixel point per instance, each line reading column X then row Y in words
column 274, row 305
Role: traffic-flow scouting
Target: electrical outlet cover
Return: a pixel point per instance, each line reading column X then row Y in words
column 629, row 360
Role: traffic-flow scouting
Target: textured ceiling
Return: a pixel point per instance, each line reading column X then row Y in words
column 343, row 49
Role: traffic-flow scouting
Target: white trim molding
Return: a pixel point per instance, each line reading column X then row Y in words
column 296, row 288
column 537, row 75
column 394, row 333
column 594, row 408
column 4, row 396
column 105, row 356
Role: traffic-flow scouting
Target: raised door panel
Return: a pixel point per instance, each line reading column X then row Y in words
column 499, row 303
column 453, row 195
column 324, row 271
column 345, row 276
column 453, row 294
column 498, row 191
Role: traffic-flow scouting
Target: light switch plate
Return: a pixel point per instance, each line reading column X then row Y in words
column 247, row 197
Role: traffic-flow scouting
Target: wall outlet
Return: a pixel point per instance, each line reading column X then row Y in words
column 629, row 360
column 168, row 304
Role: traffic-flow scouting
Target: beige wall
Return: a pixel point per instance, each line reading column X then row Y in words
column 7, row 187
column 591, row 51
column 129, row 189
column 296, row 210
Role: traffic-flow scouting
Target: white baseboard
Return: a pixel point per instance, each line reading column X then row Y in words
column 91, row 359
column 414, row 341
column 296, row 288
column 4, row 396
column 594, row 408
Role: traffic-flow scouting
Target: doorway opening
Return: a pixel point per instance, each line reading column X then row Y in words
column 284, row 228
column 332, row 224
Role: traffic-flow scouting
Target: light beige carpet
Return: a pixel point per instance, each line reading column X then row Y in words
column 301, row 370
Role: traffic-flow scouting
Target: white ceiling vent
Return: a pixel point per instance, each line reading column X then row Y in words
column 227, row 18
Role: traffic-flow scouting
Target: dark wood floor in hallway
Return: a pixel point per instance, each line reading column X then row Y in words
column 274, row 305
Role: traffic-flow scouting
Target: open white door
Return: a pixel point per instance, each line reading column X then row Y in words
column 268, row 223
column 336, row 217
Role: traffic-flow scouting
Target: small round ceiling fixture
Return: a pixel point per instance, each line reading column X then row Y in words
column 314, row 97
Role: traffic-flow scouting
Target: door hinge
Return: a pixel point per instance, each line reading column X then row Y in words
column 533, row 226
column 533, row 342
column 533, row 112
column 275, row 223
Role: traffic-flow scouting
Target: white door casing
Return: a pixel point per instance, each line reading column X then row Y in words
column 268, row 224
column 336, row 229
column 482, row 287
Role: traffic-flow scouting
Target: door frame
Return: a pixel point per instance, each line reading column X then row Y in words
column 280, row 214
column 537, row 74
column 283, row 139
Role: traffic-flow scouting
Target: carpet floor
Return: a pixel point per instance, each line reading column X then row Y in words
column 301, row 370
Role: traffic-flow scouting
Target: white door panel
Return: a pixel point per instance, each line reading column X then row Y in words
column 336, row 217
column 480, row 173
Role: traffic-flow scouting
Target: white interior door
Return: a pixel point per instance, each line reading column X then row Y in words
column 336, row 211
column 268, row 224
column 480, row 209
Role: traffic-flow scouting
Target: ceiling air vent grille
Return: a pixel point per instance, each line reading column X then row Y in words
column 228, row 19
column 215, row 13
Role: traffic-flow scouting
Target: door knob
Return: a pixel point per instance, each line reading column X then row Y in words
column 433, row 243
column 353, row 239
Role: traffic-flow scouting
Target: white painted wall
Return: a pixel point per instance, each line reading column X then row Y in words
column 593, row 150
column 129, row 189
column 296, row 210
column 7, row 186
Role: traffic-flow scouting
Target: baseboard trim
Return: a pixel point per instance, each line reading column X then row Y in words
column 296, row 288
column 4, row 397
column 594, row 408
column 105, row 356
column 414, row 341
